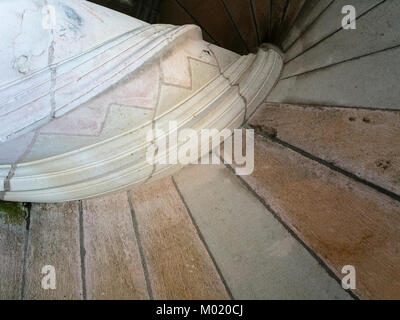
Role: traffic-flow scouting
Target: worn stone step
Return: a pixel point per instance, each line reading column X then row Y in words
column 356, row 140
column 200, row 10
column 344, row 222
column 293, row 9
column 257, row 256
column 54, row 241
column 112, row 261
column 178, row 263
column 310, row 12
column 360, row 42
column 328, row 23
column 12, row 238
column 242, row 19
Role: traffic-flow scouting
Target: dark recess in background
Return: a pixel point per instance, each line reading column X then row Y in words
column 146, row 10
column 238, row 25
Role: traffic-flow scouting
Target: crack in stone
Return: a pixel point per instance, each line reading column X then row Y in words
column 231, row 84
column 11, row 173
column 153, row 120
column 53, row 71
column 53, row 78
column 7, row 186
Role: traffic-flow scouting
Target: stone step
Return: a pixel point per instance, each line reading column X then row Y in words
column 179, row 265
column 207, row 234
column 257, row 256
column 113, row 266
column 53, row 241
column 109, row 248
column 356, row 140
column 344, row 222
column 12, row 238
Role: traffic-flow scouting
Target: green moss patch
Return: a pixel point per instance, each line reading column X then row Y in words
column 13, row 213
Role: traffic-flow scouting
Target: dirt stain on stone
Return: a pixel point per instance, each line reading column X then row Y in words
column 75, row 20
column 383, row 164
column 265, row 130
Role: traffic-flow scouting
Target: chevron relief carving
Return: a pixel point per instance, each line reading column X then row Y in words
column 89, row 120
column 139, row 90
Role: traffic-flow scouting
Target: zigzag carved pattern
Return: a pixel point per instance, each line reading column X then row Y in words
column 89, row 120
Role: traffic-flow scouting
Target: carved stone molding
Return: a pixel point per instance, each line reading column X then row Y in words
column 74, row 122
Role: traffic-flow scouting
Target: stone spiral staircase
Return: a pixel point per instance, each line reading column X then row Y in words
column 324, row 193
